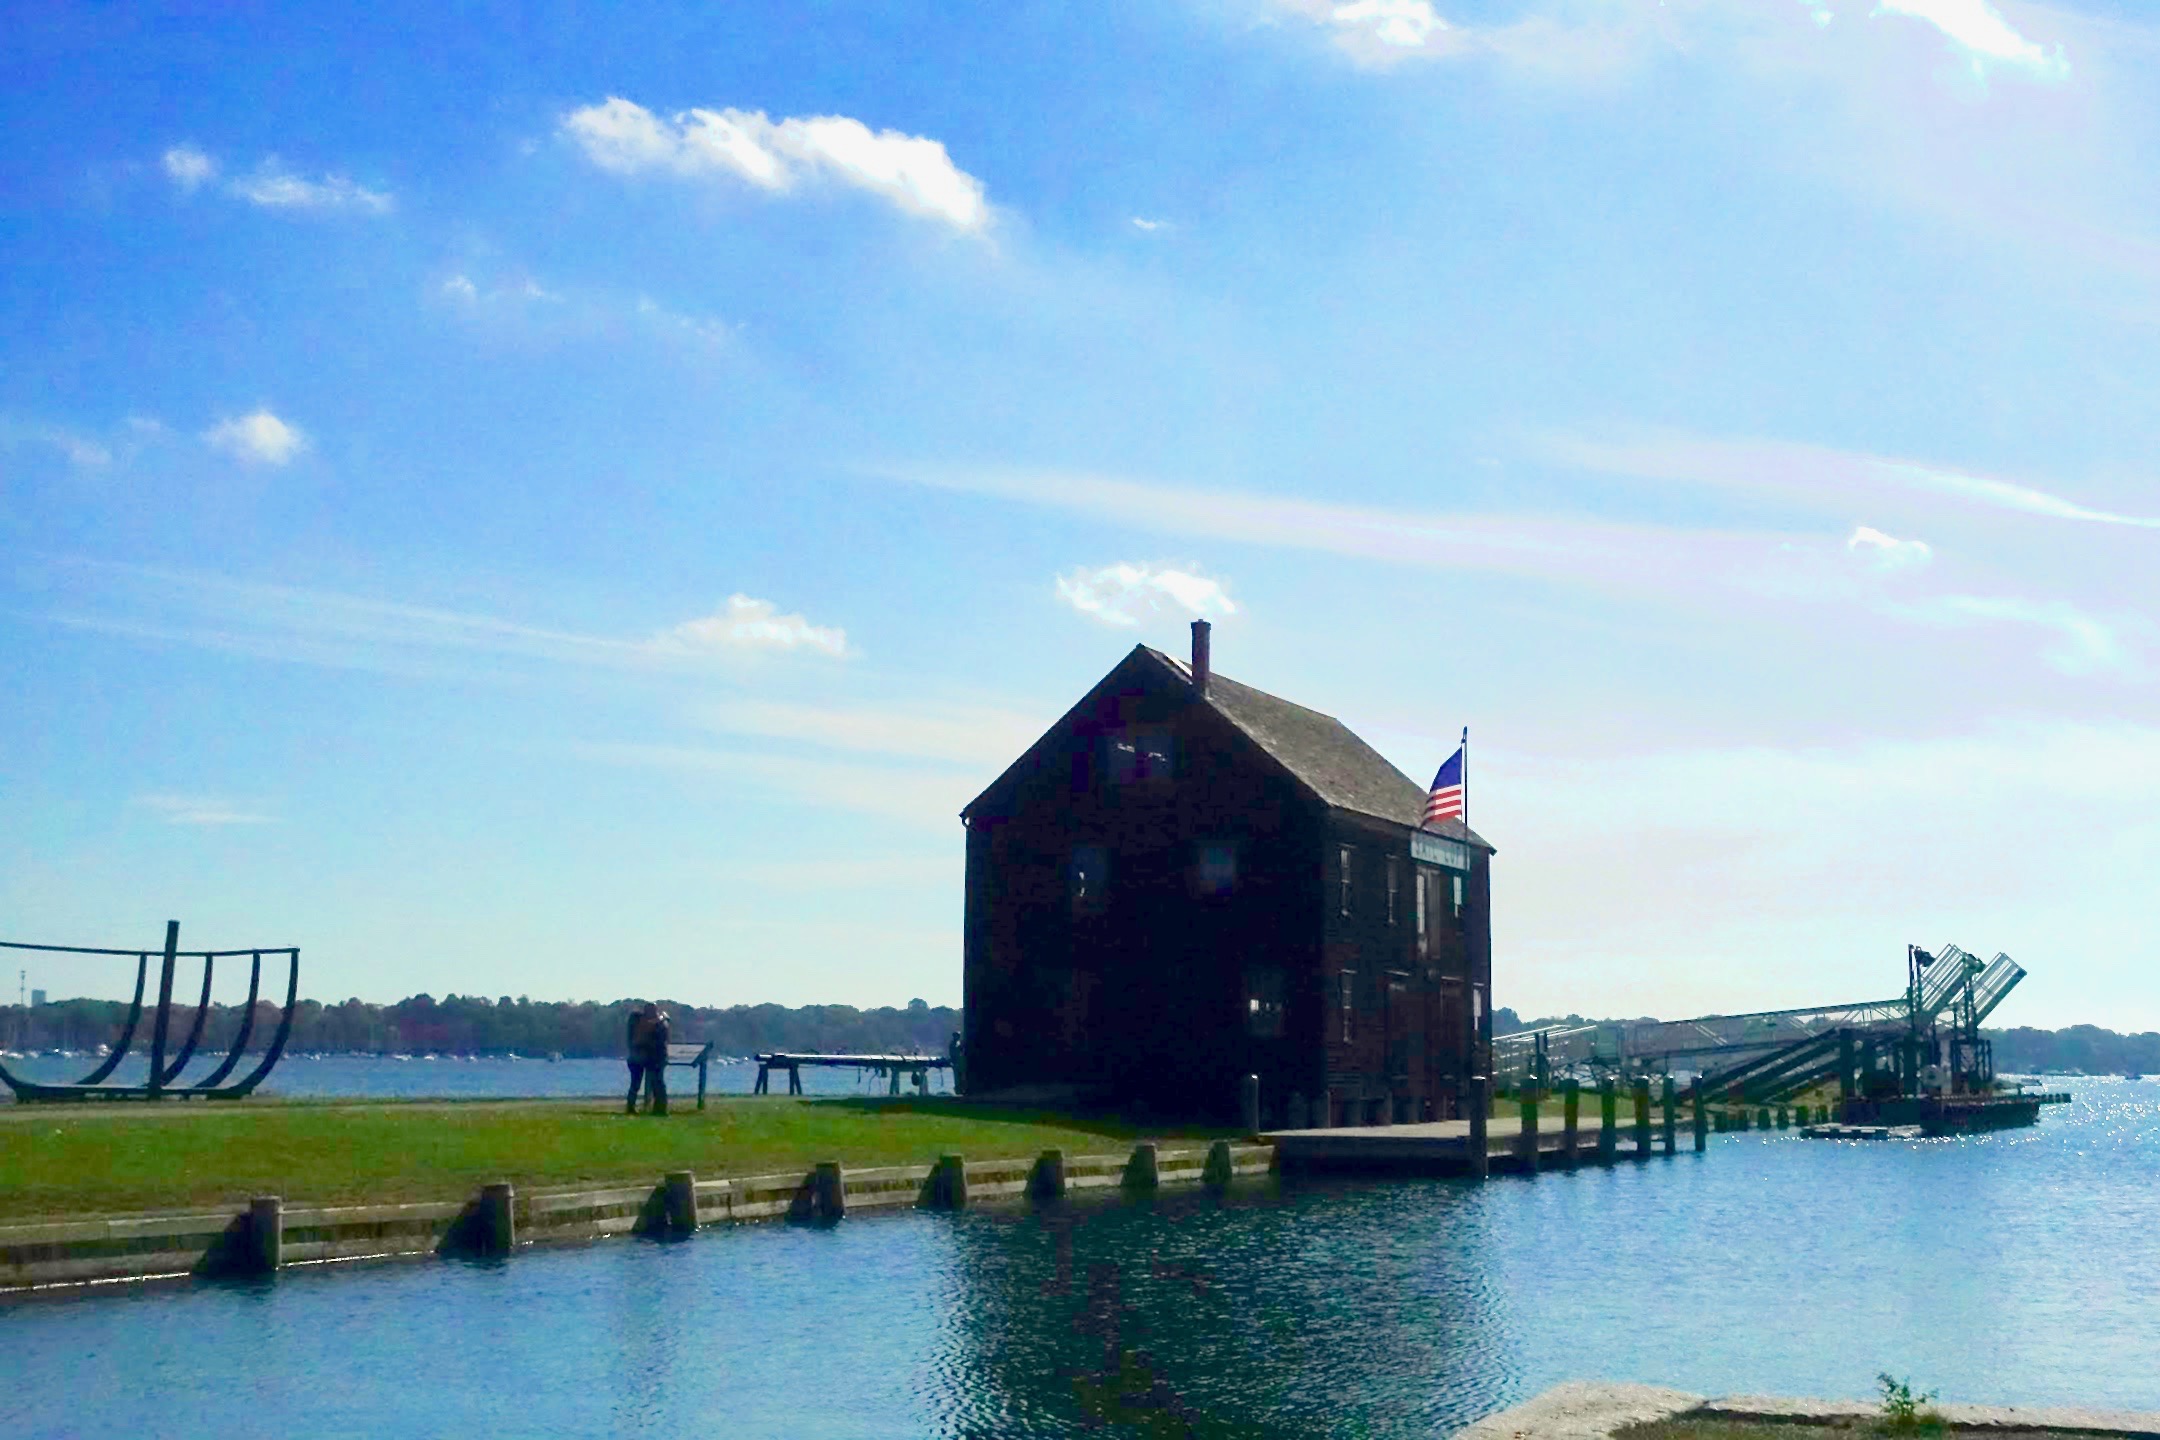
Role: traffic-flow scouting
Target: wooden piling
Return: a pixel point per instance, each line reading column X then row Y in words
column 1570, row 1123
column 1047, row 1180
column 1642, row 1118
column 1763, row 1117
column 678, row 1201
column 498, row 1219
column 266, row 1234
column 1141, row 1172
column 1608, row 1135
column 948, row 1184
column 1526, row 1142
column 1480, row 1156
column 1218, row 1169
column 1668, row 1111
column 1702, row 1127
column 830, row 1188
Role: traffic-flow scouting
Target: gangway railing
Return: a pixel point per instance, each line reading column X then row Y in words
column 1708, row 1041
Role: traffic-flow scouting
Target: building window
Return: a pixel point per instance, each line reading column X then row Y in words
column 1424, row 910
column 1456, row 886
column 1139, row 755
column 1394, row 883
column 1215, row 869
column 1347, row 999
column 1088, row 879
column 1264, row 1002
column 1342, row 866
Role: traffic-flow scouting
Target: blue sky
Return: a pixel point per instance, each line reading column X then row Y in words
column 570, row 502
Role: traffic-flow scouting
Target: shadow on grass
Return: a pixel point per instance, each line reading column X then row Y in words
column 1110, row 1124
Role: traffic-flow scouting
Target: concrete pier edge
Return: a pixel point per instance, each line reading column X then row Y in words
column 1587, row 1410
column 270, row 1234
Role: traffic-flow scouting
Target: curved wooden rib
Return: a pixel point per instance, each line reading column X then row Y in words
column 247, row 1027
column 127, row 1036
column 202, row 1014
column 277, row 1043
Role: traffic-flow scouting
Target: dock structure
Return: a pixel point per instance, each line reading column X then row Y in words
column 1444, row 1147
column 917, row 1066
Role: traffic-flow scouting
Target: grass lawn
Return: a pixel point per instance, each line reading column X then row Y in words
column 77, row 1161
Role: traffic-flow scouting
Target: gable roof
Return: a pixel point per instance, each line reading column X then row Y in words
column 1322, row 754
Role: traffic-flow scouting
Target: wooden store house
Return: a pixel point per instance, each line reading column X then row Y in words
column 1188, row 880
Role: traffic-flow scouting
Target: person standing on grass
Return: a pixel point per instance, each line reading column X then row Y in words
column 656, row 1043
column 636, row 1047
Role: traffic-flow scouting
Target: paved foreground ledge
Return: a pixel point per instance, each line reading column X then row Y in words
column 1582, row 1410
column 268, row 1235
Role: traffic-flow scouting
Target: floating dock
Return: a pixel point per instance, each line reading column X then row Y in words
column 1443, row 1147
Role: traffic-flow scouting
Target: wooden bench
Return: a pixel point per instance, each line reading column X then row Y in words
column 697, row 1055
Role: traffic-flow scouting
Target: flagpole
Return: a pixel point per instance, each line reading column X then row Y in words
column 1466, row 775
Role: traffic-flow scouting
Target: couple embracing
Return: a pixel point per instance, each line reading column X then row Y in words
column 647, row 1053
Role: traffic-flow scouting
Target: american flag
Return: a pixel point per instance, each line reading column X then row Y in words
column 1446, row 800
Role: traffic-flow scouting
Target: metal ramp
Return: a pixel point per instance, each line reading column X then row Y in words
column 1955, row 980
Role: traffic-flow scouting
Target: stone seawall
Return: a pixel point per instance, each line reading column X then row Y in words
column 268, row 1235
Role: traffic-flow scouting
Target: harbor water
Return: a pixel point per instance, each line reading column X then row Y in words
column 2016, row 1267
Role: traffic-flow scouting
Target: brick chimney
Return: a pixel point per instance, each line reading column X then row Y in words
column 1200, row 657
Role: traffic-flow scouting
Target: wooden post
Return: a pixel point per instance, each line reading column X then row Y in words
column 794, row 1078
column 1140, row 1171
column 1251, row 1099
column 266, row 1234
column 1479, row 1155
column 1608, row 1135
column 1667, row 1109
column 1702, row 1127
column 1047, row 1180
column 1763, row 1117
column 164, row 1007
column 1527, row 1141
column 498, row 1219
column 764, row 1076
column 1570, row 1122
column 1217, row 1172
column 678, row 1189
column 948, row 1186
column 1642, row 1118
column 704, row 1058
column 831, row 1190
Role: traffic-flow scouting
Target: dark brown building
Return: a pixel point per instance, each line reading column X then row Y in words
column 1188, row 880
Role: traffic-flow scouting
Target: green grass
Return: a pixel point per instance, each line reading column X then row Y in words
column 108, row 1160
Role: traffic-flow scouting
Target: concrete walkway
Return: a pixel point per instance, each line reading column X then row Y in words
column 1583, row 1410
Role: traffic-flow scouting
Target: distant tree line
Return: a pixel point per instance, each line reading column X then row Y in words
column 476, row 1025
column 2085, row 1049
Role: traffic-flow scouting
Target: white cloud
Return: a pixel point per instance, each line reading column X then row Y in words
column 1977, row 28
column 275, row 188
column 323, row 627
column 911, row 172
column 188, row 167
column 459, row 287
column 201, row 810
column 1149, row 227
column 702, row 329
column 1125, row 594
column 1814, row 471
column 744, row 624
column 1381, row 32
column 1886, row 552
column 260, row 438
column 972, row 736
column 2083, row 644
